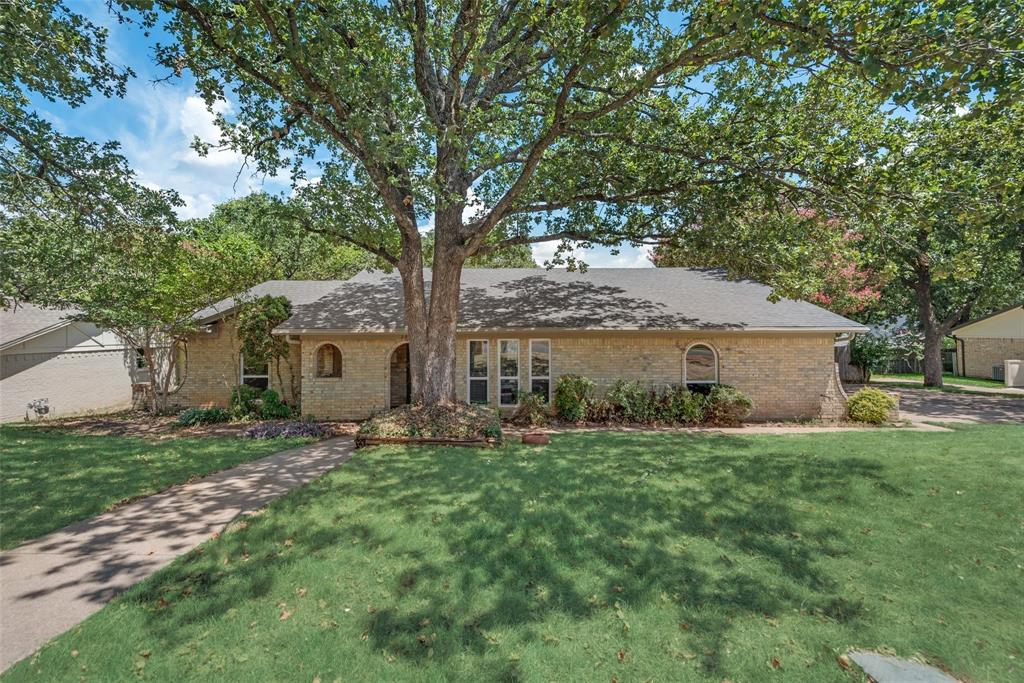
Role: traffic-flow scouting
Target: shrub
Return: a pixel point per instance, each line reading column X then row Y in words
column 633, row 401
column 727, row 406
column 296, row 429
column 679, row 405
column 601, row 410
column 245, row 401
column 533, row 411
column 203, row 416
column 573, row 394
column 458, row 421
column 272, row 407
column 870, row 405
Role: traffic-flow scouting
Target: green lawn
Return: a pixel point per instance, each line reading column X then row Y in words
column 627, row 557
column 947, row 378
column 51, row 478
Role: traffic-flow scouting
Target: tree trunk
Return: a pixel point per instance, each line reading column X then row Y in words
column 933, row 332
column 432, row 328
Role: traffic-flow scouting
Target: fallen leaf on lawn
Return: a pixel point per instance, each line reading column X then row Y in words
column 622, row 655
column 284, row 615
column 289, row 542
column 301, row 592
column 776, row 664
column 74, row 653
column 843, row 662
column 618, row 589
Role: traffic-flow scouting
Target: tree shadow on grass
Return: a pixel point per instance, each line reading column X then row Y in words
column 585, row 530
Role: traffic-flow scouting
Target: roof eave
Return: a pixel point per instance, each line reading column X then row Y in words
column 507, row 330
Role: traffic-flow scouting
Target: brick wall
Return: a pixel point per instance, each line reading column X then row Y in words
column 74, row 383
column 981, row 353
column 212, row 369
column 786, row 376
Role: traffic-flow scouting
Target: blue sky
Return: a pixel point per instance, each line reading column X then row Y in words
column 157, row 119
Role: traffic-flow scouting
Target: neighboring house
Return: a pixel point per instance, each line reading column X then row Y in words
column 985, row 344
column 70, row 366
column 520, row 329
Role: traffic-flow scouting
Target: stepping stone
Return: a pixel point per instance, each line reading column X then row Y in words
column 885, row 669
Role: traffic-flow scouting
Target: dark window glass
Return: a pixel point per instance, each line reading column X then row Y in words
column 478, row 391
column 258, row 382
column 541, row 387
column 509, row 392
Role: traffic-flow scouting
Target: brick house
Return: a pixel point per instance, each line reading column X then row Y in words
column 987, row 343
column 520, row 329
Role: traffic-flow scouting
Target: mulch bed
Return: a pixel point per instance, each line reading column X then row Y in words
column 144, row 425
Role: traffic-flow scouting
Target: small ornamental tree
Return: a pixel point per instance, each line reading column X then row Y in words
column 256, row 320
column 871, row 353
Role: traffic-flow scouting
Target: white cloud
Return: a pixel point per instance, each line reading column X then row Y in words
column 598, row 257
column 156, row 134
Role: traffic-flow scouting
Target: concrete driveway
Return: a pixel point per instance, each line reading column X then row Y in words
column 921, row 405
column 52, row 583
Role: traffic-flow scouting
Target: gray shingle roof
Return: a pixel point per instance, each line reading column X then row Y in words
column 27, row 321
column 298, row 292
column 599, row 299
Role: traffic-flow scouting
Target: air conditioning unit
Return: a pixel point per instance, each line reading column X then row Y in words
column 997, row 373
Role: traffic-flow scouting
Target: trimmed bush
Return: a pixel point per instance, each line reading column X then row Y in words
column 633, row 401
column 458, row 421
column 679, row 405
column 281, row 430
column 601, row 410
column 203, row 416
column 272, row 407
column 245, row 401
column 870, row 405
column 573, row 394
column 533, row 411
column 727, row 406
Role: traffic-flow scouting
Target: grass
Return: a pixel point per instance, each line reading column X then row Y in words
column 947, row 378
column 50, row 478
column 625, row 557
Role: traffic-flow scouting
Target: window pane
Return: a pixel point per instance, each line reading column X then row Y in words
column 509, row 358
column 541, row 386
column 478, row 391
column 700, row 364
column 478, row 359
column 540, row 358
column 251, row 369
column 258, row 382
column 509, row 392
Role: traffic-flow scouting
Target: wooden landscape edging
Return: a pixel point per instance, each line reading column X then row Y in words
column 362, row 441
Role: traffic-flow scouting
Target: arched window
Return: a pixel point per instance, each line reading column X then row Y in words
column 701, row 366
column 328, row 361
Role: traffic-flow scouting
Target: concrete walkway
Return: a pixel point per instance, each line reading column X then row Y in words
column 52, row 583
column 1004, row 391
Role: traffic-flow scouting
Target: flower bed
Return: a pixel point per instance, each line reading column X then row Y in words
column 457, row 424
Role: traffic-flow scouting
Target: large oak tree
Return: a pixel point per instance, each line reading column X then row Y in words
column 587, row 121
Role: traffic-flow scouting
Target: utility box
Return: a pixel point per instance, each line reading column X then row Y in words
column 999, row 372
column 1013, row 373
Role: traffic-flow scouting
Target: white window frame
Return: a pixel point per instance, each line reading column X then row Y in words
column 502, row 377
column 714, row 352
column 241, row 371
column 551, row 358
column 469, row 369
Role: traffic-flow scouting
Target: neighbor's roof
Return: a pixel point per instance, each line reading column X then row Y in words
column 297, row 292
column 598, row 299
column 27, row 321
column 1008, row 309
